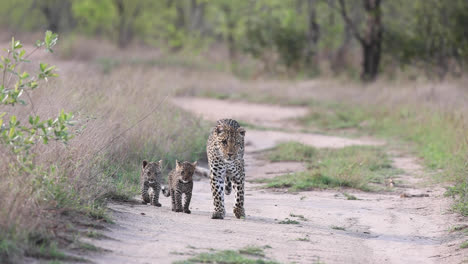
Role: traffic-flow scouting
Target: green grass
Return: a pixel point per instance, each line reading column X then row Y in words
column 94, row 234
column 437, row 136
column 338, row 227
column 354, row 167
column 298, row 216
column 291, row 151
column 248, row 255
column 464, row 244
column 350, row 196
column 288, row 221
column 458, row 228
column 252, row 250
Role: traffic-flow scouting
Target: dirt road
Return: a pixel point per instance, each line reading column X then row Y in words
column 377, row 228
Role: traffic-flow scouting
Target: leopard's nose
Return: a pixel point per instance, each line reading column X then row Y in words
column 230, row 155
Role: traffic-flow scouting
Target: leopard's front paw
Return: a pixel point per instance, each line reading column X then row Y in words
column 187, row 211
column 156, row 204
column 217, row 215
column 239, row 212
column 178, row 210
column 145, row 200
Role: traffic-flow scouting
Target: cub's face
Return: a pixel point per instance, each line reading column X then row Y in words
column 151, row 171
column 185, row 170
column 230, row 141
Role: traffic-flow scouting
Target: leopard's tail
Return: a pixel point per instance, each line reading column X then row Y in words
column 165, row 191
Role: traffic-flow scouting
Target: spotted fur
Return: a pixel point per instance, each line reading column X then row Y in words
column 180, row 182
column 225, row 150
column 150, row 179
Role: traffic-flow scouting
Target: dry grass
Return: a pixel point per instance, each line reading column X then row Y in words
column 103, row 160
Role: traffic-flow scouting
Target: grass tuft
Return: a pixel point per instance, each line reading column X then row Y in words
column 252, row 250
column 288, row 221
column 464, row 244
column 354, row 167
column 298, row 216
column 248, row 255
column 338, row 227
column 350, row 196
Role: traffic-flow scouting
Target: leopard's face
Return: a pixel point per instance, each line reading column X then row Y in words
column 229, row 140
column 185, row 170
column 151, row 171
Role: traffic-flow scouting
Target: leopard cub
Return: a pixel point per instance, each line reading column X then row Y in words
column 180, row 182
column 150, row 179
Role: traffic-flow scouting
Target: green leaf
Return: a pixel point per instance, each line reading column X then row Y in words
column 24, row 75
column 50, row 40
column 17, row 45
column 12, row 132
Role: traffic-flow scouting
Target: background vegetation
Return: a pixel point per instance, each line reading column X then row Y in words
column 314, row 36
column 120, row 59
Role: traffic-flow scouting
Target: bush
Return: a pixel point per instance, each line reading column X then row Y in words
column 281, row 36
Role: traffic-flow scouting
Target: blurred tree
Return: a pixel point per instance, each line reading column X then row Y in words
column 313, row 31
column 435, row 35
column 197, row 15
column 127, row 12
column 371, row 37
column 57, row 13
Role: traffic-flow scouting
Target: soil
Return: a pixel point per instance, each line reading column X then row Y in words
column 379, row 227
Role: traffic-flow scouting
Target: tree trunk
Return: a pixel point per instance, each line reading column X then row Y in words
column 197, row 14
column 126, row 22
column 230, row 32
column 180, row 23
column 371, row 42
column 122, row 39
column 339, row 62
column 313, row 32
column 52, row 14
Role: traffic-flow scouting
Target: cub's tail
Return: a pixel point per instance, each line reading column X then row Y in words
column 165, row 191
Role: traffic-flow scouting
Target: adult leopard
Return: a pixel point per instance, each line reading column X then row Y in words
column 225, row 149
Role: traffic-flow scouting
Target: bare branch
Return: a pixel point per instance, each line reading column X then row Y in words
column 348, row 21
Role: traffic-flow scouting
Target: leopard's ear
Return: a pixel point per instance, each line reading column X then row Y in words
column 219, row 129
column 144, row 164
column 160, row 163
column 177, row 163
column 195, row 163
column 241, row 131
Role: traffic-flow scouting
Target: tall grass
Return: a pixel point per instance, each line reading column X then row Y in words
column 102, row 161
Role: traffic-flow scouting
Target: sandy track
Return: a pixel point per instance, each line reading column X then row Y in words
column 378, row 228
